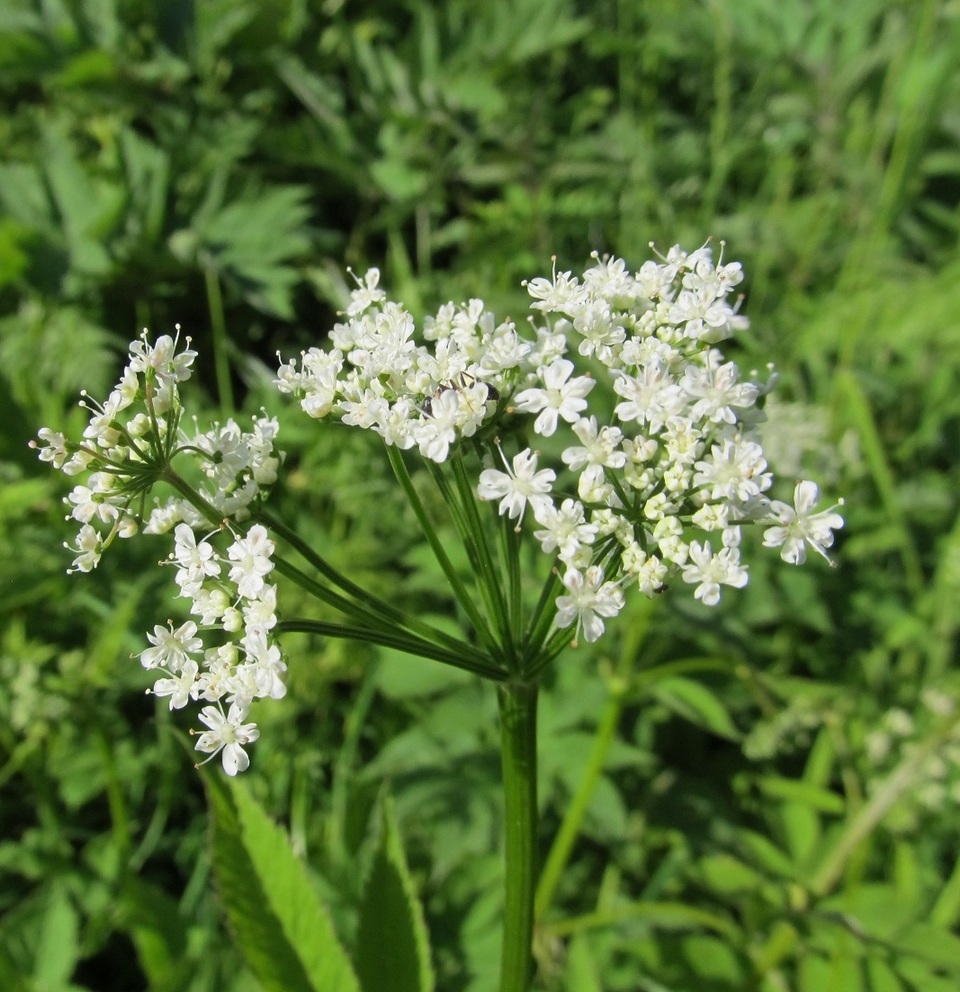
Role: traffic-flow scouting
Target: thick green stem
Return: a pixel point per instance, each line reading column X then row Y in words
column 518, row 750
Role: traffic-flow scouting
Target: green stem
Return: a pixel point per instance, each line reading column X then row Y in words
column 868, row 817
column 463, row 512
column 518, row 751
column 542, row 619
column 218, row 325
column 619, row 683
column 397, row 639
column 373, row 605
column 457, row 587
column 207, row 509
column 576, row 809
column 475, row 535
column 511, row 555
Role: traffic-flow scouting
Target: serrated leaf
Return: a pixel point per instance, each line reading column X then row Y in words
column 252, row 240
column 279, row 924
column 393, row 949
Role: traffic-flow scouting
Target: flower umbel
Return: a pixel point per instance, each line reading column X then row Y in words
column 651, row 458
column 129, row 447
column 679, row 459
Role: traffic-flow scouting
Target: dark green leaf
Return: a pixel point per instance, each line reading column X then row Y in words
column 393, row 950
column 279, row 925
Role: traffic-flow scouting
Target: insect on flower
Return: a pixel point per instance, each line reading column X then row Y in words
column 466, row 380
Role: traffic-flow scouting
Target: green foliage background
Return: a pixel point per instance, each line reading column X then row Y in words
column 761, row 797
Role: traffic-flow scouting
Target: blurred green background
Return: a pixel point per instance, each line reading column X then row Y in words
column 778, row 803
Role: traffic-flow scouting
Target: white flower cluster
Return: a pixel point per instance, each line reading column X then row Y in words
column 236, row 466
column 230, row 593
column 129, row 446
column 130, row 442
column 657, row 477
column 125, row 440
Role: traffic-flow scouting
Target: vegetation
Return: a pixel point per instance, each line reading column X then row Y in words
column 761, row 796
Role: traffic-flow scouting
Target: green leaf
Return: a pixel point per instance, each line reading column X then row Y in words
column 393, row 950
column 882, row 977
column 817, row 973
column 157, row 931
column 252, row 241
column 582, row 973
column 713, row 960
column 724, row 874
column 931, row 944
column 278, row 922
column 58, row 948
column 695, row 702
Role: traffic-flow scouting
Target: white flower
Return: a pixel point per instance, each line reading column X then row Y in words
column 227, row 734
column 800, row 526
column 648, row 570
column 91, row 504
column 518, row 487
column 53, row 447
column 251, row 555
column 590, row 599
column 171, row 648
column 179, row 687
column 717, row 391
column 366, row 294
column 735, row 470
column 89, row 548
column 196, row 560
column 560, row 396
column 651, row 397
column 713, row 570
column 565, row 530
column 162, row 357
column 562, row 294
column 437, row 432
column 600, row 446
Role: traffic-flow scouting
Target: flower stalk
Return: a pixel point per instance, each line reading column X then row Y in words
column 652, row 483
column 518, row 752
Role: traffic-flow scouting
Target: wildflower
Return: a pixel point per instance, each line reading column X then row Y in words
column 171, row 648
column 227, row 736
column 251, row 558
column 560, row 396
column 565, row 531
column 590, row 599
column 711, row 571
column 518, row 486
column 180, row 687
column 197, row 561
column 89, row 548
column 800, row 526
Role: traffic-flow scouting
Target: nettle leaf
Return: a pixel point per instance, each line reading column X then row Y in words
column 278, row 921
column 393, row 949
